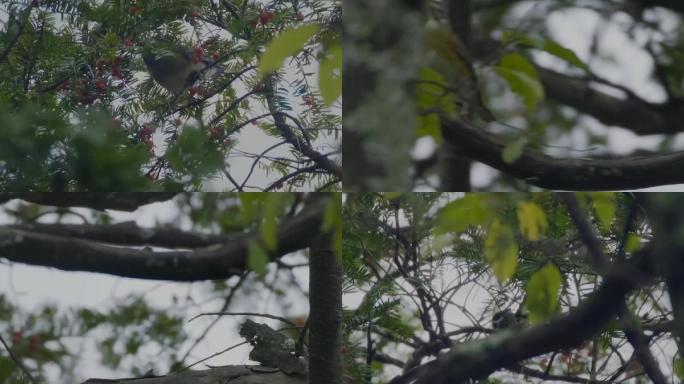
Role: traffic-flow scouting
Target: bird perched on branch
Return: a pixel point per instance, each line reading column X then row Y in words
column 507, row 319
column 173, row 66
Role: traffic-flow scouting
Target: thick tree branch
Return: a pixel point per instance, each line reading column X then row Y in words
column 635, row 114
column 566, row 174
column 235, row 374
column 128, row 233
column 218, row 261
column 120, row 201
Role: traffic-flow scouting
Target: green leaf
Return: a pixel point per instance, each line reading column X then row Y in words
column 273, row 206
column 330, row 75
column 501, row 250
column 192, row 154
column 542, row 293
column 513, row 150
column 633, row 243
column 531, row 220
column 285, row 45
column 679, row 368
column 549, row 46
column 523, row 79
column 391, row 195
column 250, row 204
column 563, row 53
column 257, row 258
column 604, row 206
column 471, row 209
column 430, row 96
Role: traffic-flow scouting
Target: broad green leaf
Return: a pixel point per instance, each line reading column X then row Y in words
column 542, row 293
column 257, row 258
column 633, row 243
column 523, row 79
column 268, row 229
column 250, row 204
column 501, row 250
column 604, row 206
column 531, row 220
column 549, row 46
column 513, row 150
column 285, row 45
column 563, row 53
column 679, row 368
column 430, row 96
column 471, row 209
column 391, row 195
column 330, row 75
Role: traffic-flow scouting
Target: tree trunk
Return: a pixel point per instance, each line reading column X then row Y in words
column 325, row 287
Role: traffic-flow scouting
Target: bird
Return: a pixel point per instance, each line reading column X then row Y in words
column 507, row 319
column 175, row 67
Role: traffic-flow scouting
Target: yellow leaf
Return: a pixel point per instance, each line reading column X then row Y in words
column 531, row 220
column 501, row 250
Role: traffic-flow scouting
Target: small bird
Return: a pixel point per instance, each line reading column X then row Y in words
column 174, row 67
column 507, row 319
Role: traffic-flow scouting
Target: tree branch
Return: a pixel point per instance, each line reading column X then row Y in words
column 120, row 201
column 566, row 174
column 218, row 261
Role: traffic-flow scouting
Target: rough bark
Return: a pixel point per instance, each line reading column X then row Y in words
column 233, row 374
column 217, row 261
column 566, row 174
column 454, row 167
column 325, row 289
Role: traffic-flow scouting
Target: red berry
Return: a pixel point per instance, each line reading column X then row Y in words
column 134, row 10
column 116, row 72
column 33, row 343
column 254, row 122
column 101, row 84
column 215, row 133
column 265, row 16
column 300, row 16
column 195, row 14
column 308, row 100
column 215, row 56
column 16, row 337
column 192, row 91
column 128, row 42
